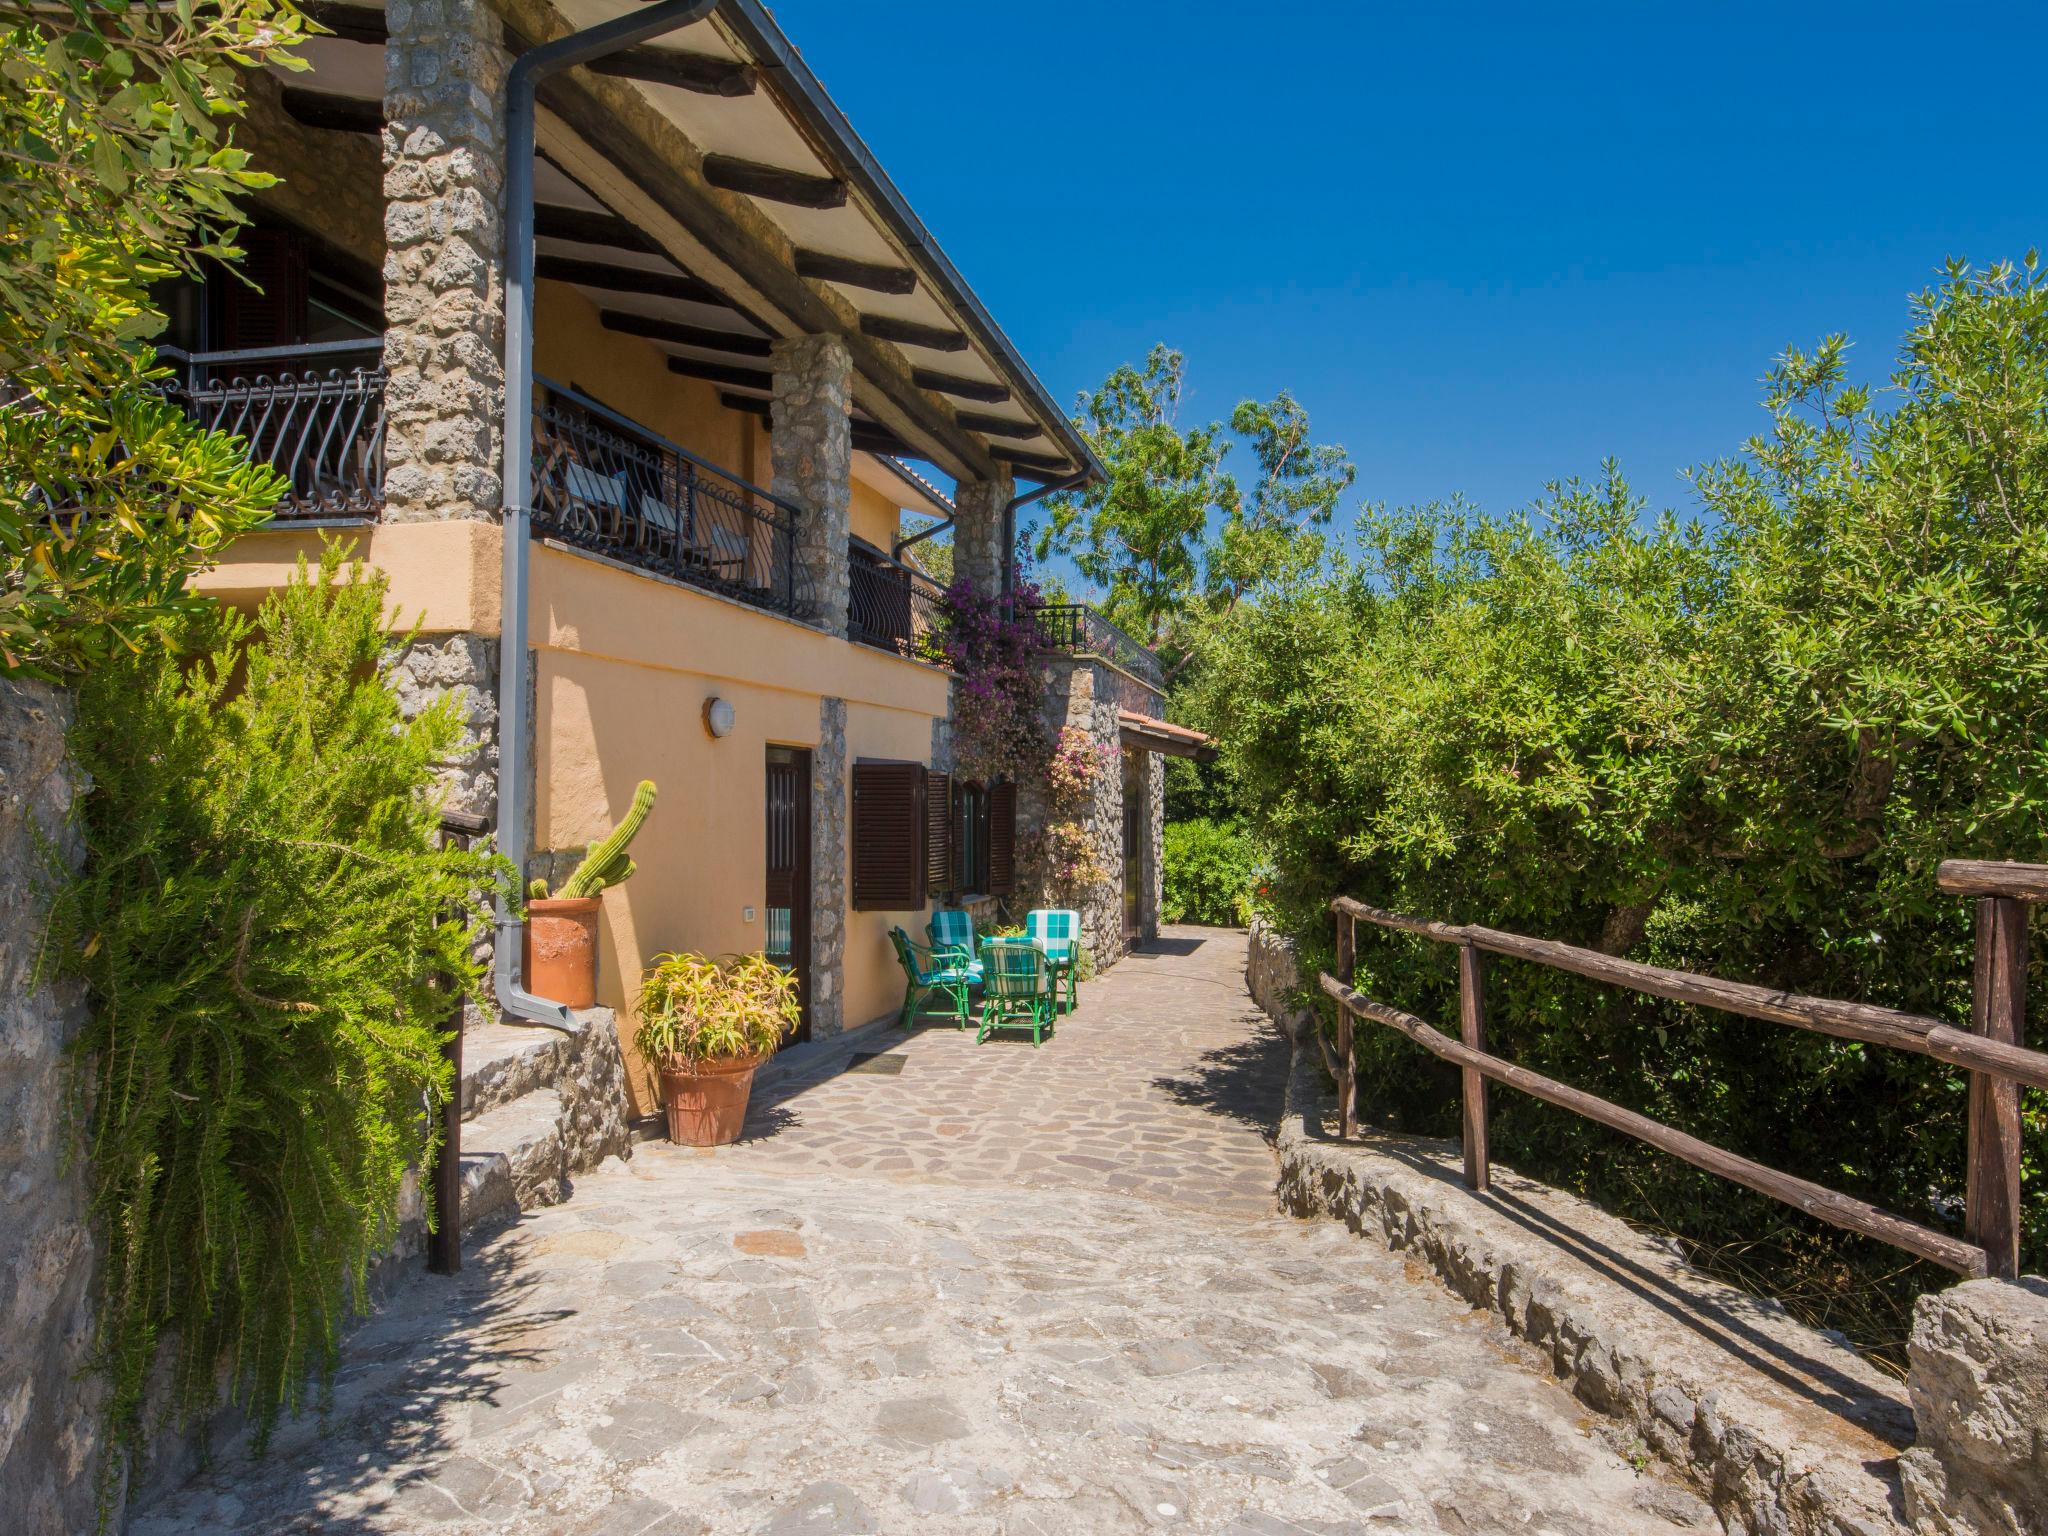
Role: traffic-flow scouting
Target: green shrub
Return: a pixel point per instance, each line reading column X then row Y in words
column 265, row 923
column 1737, row 746
column 1207, row 873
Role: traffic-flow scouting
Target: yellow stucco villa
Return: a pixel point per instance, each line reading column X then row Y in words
column 596, row 328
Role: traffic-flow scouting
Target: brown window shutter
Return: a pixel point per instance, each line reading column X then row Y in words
column 888, row 837
column 1002, row 838
column 272, row 312
column 938, row 836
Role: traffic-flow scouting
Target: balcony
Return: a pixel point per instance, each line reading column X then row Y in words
column 316, row 412
column 1082, row 630
column 604, row 483
column 893, row 606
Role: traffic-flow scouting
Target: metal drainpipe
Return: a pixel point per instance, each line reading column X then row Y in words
column 1050, row 488
column 527, row 72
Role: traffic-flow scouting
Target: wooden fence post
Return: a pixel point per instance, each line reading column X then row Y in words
column 1472, row 1030
column 1998, row 1011
column 1347, row 1069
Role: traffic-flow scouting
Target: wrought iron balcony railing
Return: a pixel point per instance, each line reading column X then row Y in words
column 894, row 606
column 1078, row 627
column 604, row 483
column 316, row 412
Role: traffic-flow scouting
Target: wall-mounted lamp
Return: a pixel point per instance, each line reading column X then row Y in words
column 719, row 716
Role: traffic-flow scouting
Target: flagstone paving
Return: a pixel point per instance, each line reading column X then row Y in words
column 883, row 1313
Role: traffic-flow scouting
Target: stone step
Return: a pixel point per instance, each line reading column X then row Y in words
column 515, row 1156
column 501, row 1062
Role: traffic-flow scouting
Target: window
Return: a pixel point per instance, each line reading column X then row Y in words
column 970, row 839
column 985, row 838
column 916, row 834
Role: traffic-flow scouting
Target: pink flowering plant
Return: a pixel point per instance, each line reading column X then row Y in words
column 991, row 643
column 1076, row 764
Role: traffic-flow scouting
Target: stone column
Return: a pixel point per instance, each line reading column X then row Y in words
column 978, row 552
column 828, row 872
column 444, row 337
column 444, row 190
column 812, row 453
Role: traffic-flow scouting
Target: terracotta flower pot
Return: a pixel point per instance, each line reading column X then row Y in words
column 561, row 949
column 707, row 1103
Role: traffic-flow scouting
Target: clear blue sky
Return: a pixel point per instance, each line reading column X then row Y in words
column 1484, row 244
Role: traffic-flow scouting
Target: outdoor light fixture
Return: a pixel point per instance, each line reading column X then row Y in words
column 719, row 716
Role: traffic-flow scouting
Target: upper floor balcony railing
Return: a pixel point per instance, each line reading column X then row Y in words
column 604, row 483
column 1081, row 628
column 893, row 606
column 315, row 411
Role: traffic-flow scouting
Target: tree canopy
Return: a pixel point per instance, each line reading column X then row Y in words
column 115, row 129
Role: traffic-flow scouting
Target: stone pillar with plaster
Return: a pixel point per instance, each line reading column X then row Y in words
column 812, row 450
column 978, row 553
column 444, row 341
column 828, row 871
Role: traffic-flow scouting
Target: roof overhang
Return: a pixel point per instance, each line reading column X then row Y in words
column 1142, row 733
column 707, row 196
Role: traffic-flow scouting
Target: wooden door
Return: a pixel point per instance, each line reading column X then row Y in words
column 788, row 938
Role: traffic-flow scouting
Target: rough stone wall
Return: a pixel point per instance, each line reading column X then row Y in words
column 1152, row 846
column 329, row 182
column 444, row 189
column 828, row 872
column 812, row 451
column 49, row 1410
column 978, row 553
column 465, row 667
column 1979, row 1382
column 1272, row 975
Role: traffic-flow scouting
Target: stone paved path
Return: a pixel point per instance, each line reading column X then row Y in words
column 1006, row 1291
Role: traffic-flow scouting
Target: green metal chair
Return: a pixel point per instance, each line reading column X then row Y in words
column 952, row 932
column 1016, row 989
column 1057, row 931
column 926, row 973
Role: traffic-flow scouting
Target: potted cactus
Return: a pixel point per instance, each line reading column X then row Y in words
column 706, row 1025
column 561, row 929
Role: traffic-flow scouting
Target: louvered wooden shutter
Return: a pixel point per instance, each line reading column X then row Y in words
column 938, row 834
column 1002, row 838
column 888, row 837
column 273, row 312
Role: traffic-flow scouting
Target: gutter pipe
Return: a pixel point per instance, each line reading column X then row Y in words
column 521, row 84
column 1051, row 488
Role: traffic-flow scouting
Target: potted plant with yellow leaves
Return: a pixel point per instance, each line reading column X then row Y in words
column 706, row 1025
column 561, row 929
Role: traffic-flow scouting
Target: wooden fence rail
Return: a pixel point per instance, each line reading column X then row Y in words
column 1992, row 1051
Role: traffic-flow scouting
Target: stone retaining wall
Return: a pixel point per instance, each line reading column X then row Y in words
column 1782, row 1428
column 49, row 1409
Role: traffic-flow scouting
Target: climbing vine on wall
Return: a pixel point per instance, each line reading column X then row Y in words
column 1073, row 853
column 991, row 643
column 263, row 921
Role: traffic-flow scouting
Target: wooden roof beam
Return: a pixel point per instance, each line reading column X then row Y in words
column 999, row 426
column 773, row 183
column 616, row 279
column 909, row 333
column 721, row 373
column 587, row 226
column 1036, row 465
column 350, row 23
column 953, row 384
column 856, row 274
column 703, row 73
column 684, row 335
column 331, row 112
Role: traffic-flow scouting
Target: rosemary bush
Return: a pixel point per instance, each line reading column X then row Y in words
column 265, row 923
